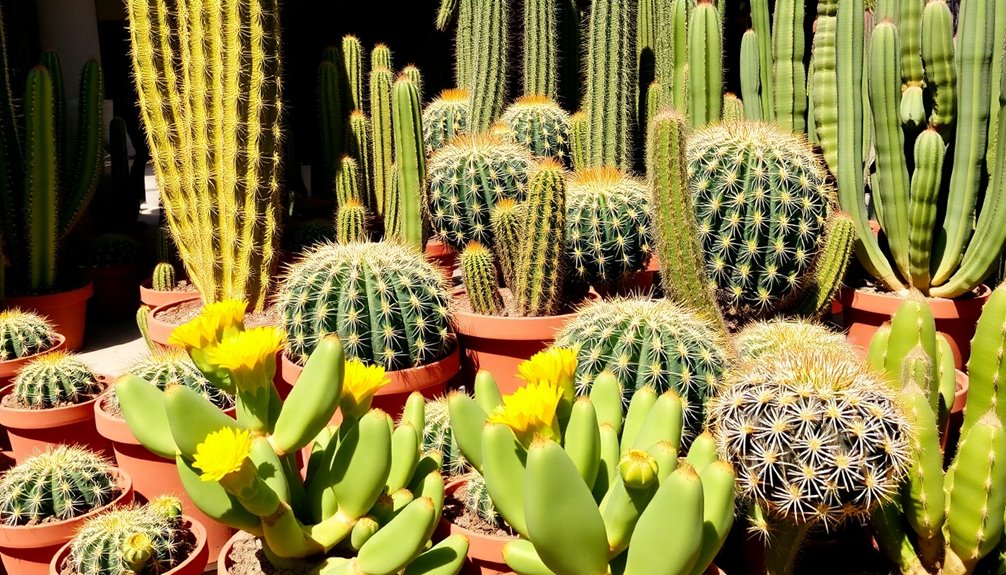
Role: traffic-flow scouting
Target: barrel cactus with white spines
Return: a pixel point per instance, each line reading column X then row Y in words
column 438, row 438
column 385, row 301
column 607, row 226
column 466, row 179
column 168, row 368
column 55, row 485
column 444, row 118
column 541, row 126
column 24, row 333
column 53, row 380
column 648, row 343
column 762, row 338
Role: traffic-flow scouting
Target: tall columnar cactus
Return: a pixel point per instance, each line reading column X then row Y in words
column 382, row 136
column 217, row 150
column 913, row 111
column 488, row 62
column 347, row 182
column 352, row 72
column 541, row 126
column 351, row 222
column 750, row 76
column 705, row 65
column 361, row 150
column 789, row 81
column 444, row 118
column 539, row 273
column 53, row 380
column 381, row 58
column 607, row 226
column 733, row 108
column 416, row 77
column 174, row 367
column 410, row 165
column 579, row 133
column 332, row 121
column 467, row 178
column 541, row 48
column 610, row 96
column 507, row 220
column 343, row 289
column 829, row 270
column 938, row 55
column 649, row 343
column 55, row 485
column 23, row 334
column 763, row 29
column 47, row 179
column 672, row 53
column 478, row 272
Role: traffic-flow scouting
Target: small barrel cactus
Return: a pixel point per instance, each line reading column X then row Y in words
column 438, row 438
column 540, row 125
column 23, row 334
column 112, row 249
column 59, row 484
column 444, row 118
column 608, row 225
column 167, row 368
column 163, row 278
column 131, row 540
column 648, row 342
column 385, row 301
column 55, row 380
column 762, row 338
column 762, row 200
column 467, row 178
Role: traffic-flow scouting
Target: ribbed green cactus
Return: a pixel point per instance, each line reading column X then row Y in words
column 381, row 140
column 507, row 219
column 763, row 30
column 344, row 288
column 610, row 97
column 467, row 178
column 24, row 333
column 130, row 540
column 222, row 203
column 331, row 120
column 478, row 272
column 579, row 133
column 751, row 76
column 463, row 43
column 705, row 65
column 649, row 342
column 541, row 126
column 347, row 183
column 541, row 48
column 352, row 73
column 477, row 499
column 438, row 438
column 733, row 108
column 163, row 277
column 671, row 55
column 168, row 368
column 762, row 200
column 55, row 485
column 444, row 118
column 143, row 325
column 111, row 249
column 488, row 63
column 538, row 276
column 763, row 338
column 415, row 76
column 53, row 380
column 381, row 58
column 607, row 226
column 47, row 181
column 410, row 165
column 351, row 222
column 358, row 146
column 830, row 267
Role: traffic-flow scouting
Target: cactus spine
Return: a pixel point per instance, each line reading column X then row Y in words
column 489, row 63
column 539, row 269
column 410, row 161
column 705, row 65
column 381, row 140
column 541, row 50
column 609, row 98
column 478, row 272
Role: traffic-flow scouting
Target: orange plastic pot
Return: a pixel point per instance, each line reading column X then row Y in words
column 442, row 256
column 952, row 433
column 485, row 552
column 114, row 295
column 160, row 330
column 194, row 564
column 34, row 430
column 28, row 549
column 866, row 311
column 155, row 298
column 8, row 369
column 66, row 310
column 154, row 476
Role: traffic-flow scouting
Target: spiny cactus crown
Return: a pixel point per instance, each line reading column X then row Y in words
column 55, row 380
column 761, row 200
column 112, row 249
column 168, row 368
column 815, row 436
column 438, row 439
column 467, row 178
column 763, row 338
column 541, row 126
column 23, row 334
column 61, row 483
column 608, row 225
column 385, row 301
column 131, row 540
column 444, row 118
column 477, row 500
column 648, row 342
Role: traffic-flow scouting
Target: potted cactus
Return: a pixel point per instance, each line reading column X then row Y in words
column 45, row 499
column 163, row 287
column 24, row 336
column 365, row 488
column 45, row 190
column 154, row 474
column 50, row 402
column 387, row 304
column 113, row 266
column 154, row 538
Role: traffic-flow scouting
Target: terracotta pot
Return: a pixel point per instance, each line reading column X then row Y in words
column 153, row 475
column 66, row 310
column 952, row 433
column 34, row 430
column 154, row 298
column 8, row 369
column 866, row 311
column 500, row 344
column 224, row 563
column 27, row 550
column 442, row 256
column 160, row 330
column 485, row 552
column 114, row 295
column 194, row 564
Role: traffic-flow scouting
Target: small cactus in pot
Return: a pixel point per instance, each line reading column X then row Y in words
column 23, row 334
column 54, row 380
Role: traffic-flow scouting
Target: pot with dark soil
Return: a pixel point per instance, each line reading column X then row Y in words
column 163, row 287
column 163, row 320
column 469, row 511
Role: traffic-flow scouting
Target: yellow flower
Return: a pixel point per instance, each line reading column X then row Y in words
column 555, row 366
column 222, row 452
column 250, row 355
column 359, row 384
column 530, row 411
column 214, row 322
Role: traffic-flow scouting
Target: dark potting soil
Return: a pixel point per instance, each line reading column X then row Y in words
column 187, row 544
column 248, row 558
column 457, row 513
column 186, row 311
column 11, row 402
column 463, row 304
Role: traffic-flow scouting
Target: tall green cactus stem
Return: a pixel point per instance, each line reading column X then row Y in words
column 416, row 77
column 216, row 151
column 24, row 334
column 830, row 267
column 507, row 219
column 539, row 279
column 579, row 134
column 913, row 112
column 350, row 222
column 976, row 29
column 541, row 48
column 540, row 125
column 444, row 118
column 789, row 73
column 463, row 44
column 352, row 62
column 926, row 181
column 381, row 141
column 381, row 58
column 489, row 63
column 53, row 380
column 610, row 98
column 705, row 65
column 825, row 91
column 733, row 108
column 987, row 364
column 647, row 26
column 478, row 272
column 143, row 325
column 331, row 119
column 762, row 27
column 347, row 185
column 923, row 498
column 938, row 56
column 750, row 76
column 677, row 235
column 410, row 161
column 998, row 47
column 359, row 147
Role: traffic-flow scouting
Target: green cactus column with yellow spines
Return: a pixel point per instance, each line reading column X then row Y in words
column 763, row 29
column 913, row 111
column 539, row 267
column 647, row 14
column 578, row 135
column 705, row 65
column 922, row 206
column 347, row 183
column 410, row 162
column 381, row 139
column 672, row 53
column 416, row 77
column 938, row 56
column 360, row 149
column 381, row 58
column 541, row 49
column 789, row 74
column 352, row 72
column 233, row 186
column 610, row 98
column 830, row 267
column 478, row 272
column 733, row 108
column 507, row 219
column 750, row 76
column 40, row 199
column 350, row 222
column 825, row 90
column 489, row 62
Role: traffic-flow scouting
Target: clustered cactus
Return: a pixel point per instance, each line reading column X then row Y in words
column 55, row 380
column 23, row 334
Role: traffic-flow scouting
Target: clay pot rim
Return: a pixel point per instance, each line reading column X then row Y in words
column 77, row 294
column 883, row 302
column 402, row 380
column 50, row 534
column 10, row 367
column 195, row 557
column 514, row 328
column 961, row 392
column 147, row 286
column 45, row 418
column 435, row 248
column 152, row 316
